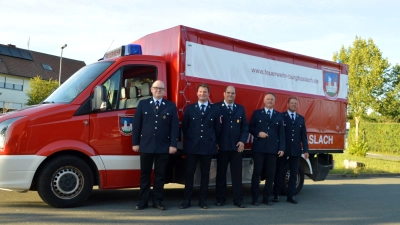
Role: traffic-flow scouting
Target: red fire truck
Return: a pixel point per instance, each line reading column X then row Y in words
column 80, row 136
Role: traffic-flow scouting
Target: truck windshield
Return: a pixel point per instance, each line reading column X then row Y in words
column 77, row 83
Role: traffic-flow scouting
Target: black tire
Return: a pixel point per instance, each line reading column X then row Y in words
column 65, row 181
column 299, row 183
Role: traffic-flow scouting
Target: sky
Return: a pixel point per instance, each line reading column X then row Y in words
column 316, row 28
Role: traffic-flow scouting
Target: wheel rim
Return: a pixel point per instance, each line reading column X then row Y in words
column 67, row 182
column 287, row 178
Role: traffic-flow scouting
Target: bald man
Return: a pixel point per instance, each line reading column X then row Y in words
column 155, row 135
column 266, row 126
column 234, row 135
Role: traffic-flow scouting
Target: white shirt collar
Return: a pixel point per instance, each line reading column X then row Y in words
column 266, row 110
column 228, row 104
column 159, row 100
column 290, row 113
column 205, row 103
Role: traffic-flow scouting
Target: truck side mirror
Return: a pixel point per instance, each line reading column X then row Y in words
column 99, row 100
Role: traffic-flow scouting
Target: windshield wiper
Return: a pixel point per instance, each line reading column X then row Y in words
column 47, row 102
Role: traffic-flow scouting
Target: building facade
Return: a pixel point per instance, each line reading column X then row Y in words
column 18, row 66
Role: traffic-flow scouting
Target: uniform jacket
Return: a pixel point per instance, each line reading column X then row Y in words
column 201, row 131
column 153, row 131
column 234, row 127
column 296, row 135
column 273, row 127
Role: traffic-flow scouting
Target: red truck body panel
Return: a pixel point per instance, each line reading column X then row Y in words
column 325, row 116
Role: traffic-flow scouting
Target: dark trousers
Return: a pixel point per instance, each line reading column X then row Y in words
column 191, row 164
column 160, row 161
column 293, row 163
column 267, row 161
column 233, row 158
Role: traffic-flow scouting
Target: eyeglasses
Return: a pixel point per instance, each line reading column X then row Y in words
column 158, row 88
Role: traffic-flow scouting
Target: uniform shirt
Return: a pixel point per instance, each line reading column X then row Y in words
column 155, row 130
column 200, row 129
column 234, row 126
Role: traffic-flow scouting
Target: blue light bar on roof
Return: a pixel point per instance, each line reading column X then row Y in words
column 133, row 49
column 130, row 49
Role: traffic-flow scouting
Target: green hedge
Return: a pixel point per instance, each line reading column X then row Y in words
column 379, row 137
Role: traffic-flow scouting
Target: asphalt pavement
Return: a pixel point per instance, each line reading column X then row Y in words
column 371, row 200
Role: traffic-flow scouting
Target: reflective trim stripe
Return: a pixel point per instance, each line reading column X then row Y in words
column 119, row 162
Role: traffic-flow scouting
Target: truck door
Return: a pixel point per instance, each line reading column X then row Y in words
column 111, row 130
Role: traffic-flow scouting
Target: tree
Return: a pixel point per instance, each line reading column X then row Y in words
column 40, row 90
column 390, row 103
column 366, row 81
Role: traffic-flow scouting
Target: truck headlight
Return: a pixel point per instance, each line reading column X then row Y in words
column 3, row 129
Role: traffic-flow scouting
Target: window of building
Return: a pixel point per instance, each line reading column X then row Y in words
column 15, row 52
column 4, row 50
column 18, row 87
column 47, row 67
column 9, row 86
column 25, row 54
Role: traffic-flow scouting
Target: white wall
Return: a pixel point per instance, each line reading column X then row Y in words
column 10, row 98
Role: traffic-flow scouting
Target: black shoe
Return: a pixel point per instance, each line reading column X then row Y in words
column 140, row 206
column 219, row 203
column 267, row 202
column 240, row 204
column 276, row 198
column 203, row 205
column 159, row 206
column 255, row 202
column 292, row 200
column 185, row 204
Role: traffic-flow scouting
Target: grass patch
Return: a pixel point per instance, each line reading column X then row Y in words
column 372, row 166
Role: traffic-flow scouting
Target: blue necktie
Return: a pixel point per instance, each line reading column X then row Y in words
column 157, row 105
column 202, row 109
column 230, row 108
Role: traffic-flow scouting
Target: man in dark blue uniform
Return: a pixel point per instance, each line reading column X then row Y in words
column 296, row 144
column 266, row 126
column 200, row 128
column 154, row 134
column 231, row 143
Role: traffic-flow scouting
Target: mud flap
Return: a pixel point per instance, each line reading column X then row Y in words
column 320, row 168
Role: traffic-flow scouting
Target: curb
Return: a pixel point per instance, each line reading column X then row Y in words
column 336, row 176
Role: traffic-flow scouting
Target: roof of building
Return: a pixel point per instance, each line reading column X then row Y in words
column 27, row 63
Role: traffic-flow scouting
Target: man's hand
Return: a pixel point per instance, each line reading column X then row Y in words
column 240, row 146
column 135, row 148
column 306, row 155
column 262, row 134
column 281, row 153
column 172, row 150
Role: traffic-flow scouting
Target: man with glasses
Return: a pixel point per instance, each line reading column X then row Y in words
column 154, row 134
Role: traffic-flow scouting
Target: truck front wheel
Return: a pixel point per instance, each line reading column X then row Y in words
column 299, row 182
column 65, row 181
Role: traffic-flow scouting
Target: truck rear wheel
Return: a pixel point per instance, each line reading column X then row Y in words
column 65, row 181
column 299, row 182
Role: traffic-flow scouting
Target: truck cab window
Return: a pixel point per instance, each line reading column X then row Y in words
column 129, row 85
column 71, row 88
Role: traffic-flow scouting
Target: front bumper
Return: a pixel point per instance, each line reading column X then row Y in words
column 17, row 171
